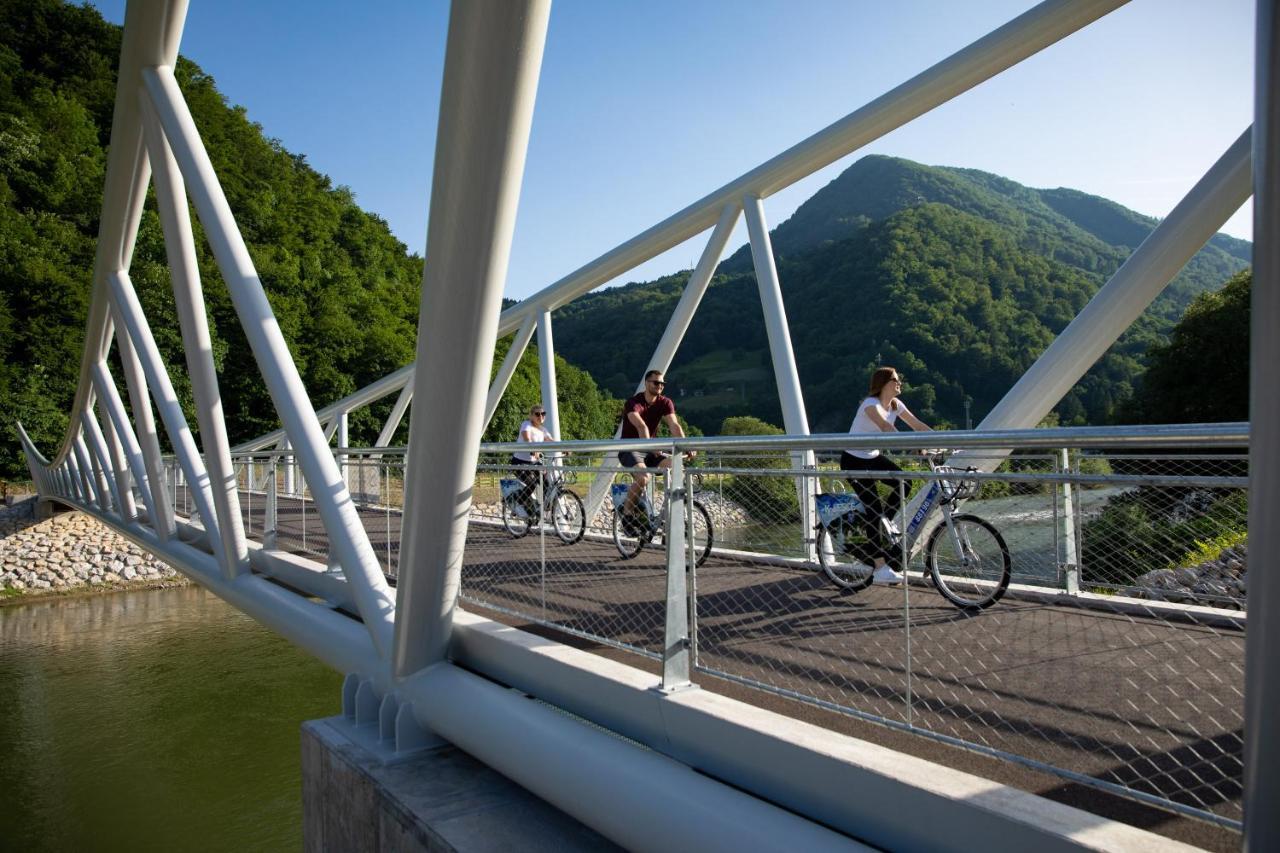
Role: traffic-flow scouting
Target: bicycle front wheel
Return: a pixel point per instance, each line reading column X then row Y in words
column 569, row 517
column 516, row 525
column 629, row 537
column 969, row 562
column 839, row 547
column 702, row 533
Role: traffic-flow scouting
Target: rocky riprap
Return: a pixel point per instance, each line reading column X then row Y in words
column 1220, row 582
column 68, row 551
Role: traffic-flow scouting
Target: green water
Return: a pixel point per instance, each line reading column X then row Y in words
column 157, row 720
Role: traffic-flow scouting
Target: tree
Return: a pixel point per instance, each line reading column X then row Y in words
column 1202, row 374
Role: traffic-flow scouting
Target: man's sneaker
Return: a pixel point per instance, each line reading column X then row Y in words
column 890, row 527
column 885, row 576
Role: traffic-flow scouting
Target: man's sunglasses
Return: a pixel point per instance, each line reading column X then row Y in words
column 658, row 382
column 539, row 414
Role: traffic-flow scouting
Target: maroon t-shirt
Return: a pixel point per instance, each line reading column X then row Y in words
column 651, row 413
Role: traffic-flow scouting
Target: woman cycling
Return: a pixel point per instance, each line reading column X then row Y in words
column 532, row 431
column 879, row 412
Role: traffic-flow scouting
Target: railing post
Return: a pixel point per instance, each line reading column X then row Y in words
column 1069, row 557
column 676, row 645
column 540, row 516
column 691, row 566
column 1262, row 640
column 269, row 517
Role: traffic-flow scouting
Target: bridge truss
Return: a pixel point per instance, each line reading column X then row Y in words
column 402, row 650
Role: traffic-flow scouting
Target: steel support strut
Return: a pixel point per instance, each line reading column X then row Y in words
column 348, row 541
column 1262, row 641
column 547, row 373
column 490, row 79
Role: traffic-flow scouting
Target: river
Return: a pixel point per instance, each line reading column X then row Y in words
column 152, row 720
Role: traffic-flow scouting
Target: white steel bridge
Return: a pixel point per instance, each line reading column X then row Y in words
column 421, row 669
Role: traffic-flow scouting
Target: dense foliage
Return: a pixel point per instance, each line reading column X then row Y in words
column 1202, row 374
column 957, row 277
column 344, row 290
column 769, row 499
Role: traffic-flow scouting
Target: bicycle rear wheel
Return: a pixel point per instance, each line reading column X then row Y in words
column 569, row 517
column 516, row 525
column 840, row 545
column 969, row 562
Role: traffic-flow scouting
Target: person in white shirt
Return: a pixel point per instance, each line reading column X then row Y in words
column 879, row 412
column 532, row 431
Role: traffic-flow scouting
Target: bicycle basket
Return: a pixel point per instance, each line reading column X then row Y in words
column 958, row 490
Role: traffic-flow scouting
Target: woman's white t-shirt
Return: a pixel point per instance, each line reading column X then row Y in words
column 862, row 423
column 531, row 434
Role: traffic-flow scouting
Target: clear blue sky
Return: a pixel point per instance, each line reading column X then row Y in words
column 644, row 107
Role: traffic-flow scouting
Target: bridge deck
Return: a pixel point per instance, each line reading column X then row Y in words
column 1149, row 704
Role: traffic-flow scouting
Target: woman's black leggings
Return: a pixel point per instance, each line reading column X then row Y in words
column 529, row 476
column 865, row 487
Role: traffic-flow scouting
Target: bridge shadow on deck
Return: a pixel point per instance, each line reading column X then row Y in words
column 1039, row 681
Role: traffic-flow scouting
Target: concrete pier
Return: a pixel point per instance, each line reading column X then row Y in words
column 439, row 800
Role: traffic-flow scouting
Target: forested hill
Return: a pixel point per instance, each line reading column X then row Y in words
column 343, row 288
column 958, row 277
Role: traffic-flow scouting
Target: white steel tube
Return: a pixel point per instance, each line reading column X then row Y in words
column 175, row 220
column 110, row 397
column 148, row 439
column 677, row 326
column 88, row 488
column 547, row 373
column 1002, row 48
column 106, row 480
column 344, row 441
column 1129, row 292
column 1262, row 640
column 795, row 419
column 115, row 451
column 999, row 50
column 490, row 81
column 153, row 30
column 639, row 799
column 134, row 322
column 397, row 415
column 348, row 541
column 389, row 384
column 509, row 364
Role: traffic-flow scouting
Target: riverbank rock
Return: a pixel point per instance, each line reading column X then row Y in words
column 69, row 551
column 1220, row 582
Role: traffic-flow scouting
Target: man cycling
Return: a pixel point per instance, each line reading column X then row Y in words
column 641, row 416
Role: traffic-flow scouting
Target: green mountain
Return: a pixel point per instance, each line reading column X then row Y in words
column 344, row 290
column 958, row 277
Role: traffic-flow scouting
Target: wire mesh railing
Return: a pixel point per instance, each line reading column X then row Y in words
column 1081, row 610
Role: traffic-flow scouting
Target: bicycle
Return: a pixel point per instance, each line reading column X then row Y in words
column 632, row 531
column 568, row 515
column 966, row 557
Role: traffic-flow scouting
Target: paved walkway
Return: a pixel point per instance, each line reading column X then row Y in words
column 1144, row 703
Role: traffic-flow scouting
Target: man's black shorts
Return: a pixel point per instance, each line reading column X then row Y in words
column 628, row 458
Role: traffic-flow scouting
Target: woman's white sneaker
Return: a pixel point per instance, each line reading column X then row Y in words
column 885, row 576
